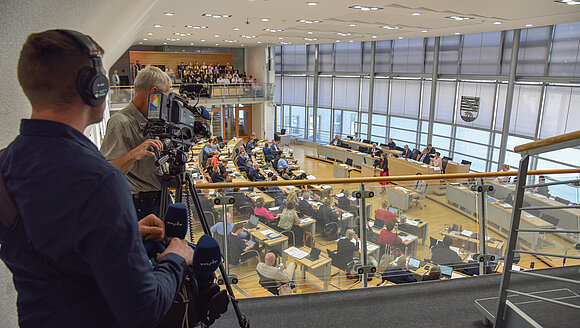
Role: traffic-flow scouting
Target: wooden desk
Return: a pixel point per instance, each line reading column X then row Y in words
column 454, row 167
column 399, row 197
column 401, row 166
column 410, row 241
column 319, row 268
column 472, row 244
column 341, row 171
column 308, row 226
column 278, row 243
column 342, row 154
column 268, row 200
column 369, row 170
column 356, row 144
column 416, row 227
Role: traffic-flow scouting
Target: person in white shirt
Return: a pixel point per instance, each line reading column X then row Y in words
column 356, row 137
column 436, row 161
column 281, row 274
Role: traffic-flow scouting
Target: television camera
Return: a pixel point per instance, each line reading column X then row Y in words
column 173, row 121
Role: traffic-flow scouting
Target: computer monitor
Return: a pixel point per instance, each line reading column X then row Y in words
column 446, row 270
column 414, row 263
column 393, row 209
column 378, row 224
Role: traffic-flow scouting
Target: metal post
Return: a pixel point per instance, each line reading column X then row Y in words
column 481, row 221
column 433, row 90
column 363, row 234
column 371, row 88
column 512, row 241
column 315, row 93
column 509, row 97
column 226, row 253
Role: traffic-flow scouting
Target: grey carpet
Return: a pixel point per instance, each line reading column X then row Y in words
column 8, row 317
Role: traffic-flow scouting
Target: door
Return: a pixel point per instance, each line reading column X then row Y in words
column 243, row 122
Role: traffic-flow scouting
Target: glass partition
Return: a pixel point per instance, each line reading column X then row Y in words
column 415, row 230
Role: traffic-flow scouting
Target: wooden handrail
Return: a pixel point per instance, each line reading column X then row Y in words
column 548, row 141
column 375, row 179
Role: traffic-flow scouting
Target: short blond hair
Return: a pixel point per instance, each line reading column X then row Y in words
column 349, row 234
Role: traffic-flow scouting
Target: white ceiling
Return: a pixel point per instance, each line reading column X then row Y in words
column 336, row 17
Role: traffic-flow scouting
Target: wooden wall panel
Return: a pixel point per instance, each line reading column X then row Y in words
column 172, row 59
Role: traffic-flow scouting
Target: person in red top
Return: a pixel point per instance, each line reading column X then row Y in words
column 387, row 237
column 383, row 214
column 262, row 211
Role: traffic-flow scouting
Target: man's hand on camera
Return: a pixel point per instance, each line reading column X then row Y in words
column 179, row 247
column 152, row 228
column 145, row 149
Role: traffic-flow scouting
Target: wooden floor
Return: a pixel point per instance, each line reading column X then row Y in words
column 437, row 212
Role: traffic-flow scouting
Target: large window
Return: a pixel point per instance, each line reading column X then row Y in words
column 470, row 98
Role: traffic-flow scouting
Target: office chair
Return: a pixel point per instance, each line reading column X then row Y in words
column 550, row 218
column 464, row 162
column 271, row 285
column 432, row 242
column 363, row 149
column 282, row 131
column 210, row 216
column 237, row 256
column 417, row 196
column 367, row 141
column 383, row 145
column 290, row 235
column 348, row 161
column 562, row 200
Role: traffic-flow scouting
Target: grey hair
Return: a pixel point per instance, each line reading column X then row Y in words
column 150, row 77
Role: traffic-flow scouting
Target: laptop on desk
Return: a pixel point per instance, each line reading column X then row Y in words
column 446, row 271
column 379, row 224
column 314, row 254
column 252, row 223
column 413, row 264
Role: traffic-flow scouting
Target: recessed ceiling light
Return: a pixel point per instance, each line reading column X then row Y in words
column 312, row 3
column 191, row 43
column 176, row 33
column 187, row 33
column 217, row 44
column 236, row 28
column 569, row 2
column 337, row 41
column 217, row 15
column 207, row 15
column 352, row 25
column 164, row 42
column 183, row 50
column 265, row 19
column 350, row 41
column 150, row 33
column 168, row 14
column 202, row 40
column 400, row 38
column 365, row 8
column 424, row 31
column 309, row 32
column 307, row 21
column 145, row 39
column 273, row 30
column 416, row 14
column 216, row 35
column 343, row 34
column 259, row 42
column 241, row 45
column 178, row 39
column 458, row 18
column 374, row 36
column 280, row 38
column 529, row 25
column 497, row 23
column 457, row 33
column 157, row 25
column 140, row 42
column 391, row 27
column 189, row 26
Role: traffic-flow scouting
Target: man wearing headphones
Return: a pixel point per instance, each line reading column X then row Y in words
column 125, row 146
column 72, row 242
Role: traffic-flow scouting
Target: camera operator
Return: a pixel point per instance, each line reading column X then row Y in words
column 76, row 253
column 125, row 146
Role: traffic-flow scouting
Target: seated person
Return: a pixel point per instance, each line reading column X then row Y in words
column 282, row 163
column 345, row 203
column 510, row 198
column 436, row 161
column 336, row 141
column 254, row 173
column 276, row 150
column 289, row 220
column 286, row 174
column 215, row 146
column 399, row 274
column 218, row 228
column 302, row 176
column 268, row 154
column 442, row 254
column 281, row 274
column 433, row 274
column 223, row 166
column 383, row 214
column 216, row 176
column 407, row 153
column 374, row 151
column 304, row 206
column 346, row 249
column 250, row 145
column 504, row 168
column 425, row 157
column 325, row 213
column 235, row 239
column 208, row 150
column 208, row 167
column 262, row 211
column 542, row 190
column 243, row 158
column 388, row 237
column 356, row 137
column 391, row 145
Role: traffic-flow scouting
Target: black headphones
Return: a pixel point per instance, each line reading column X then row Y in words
column 92, row 85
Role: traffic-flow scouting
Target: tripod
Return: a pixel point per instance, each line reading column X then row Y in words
column 178, row 181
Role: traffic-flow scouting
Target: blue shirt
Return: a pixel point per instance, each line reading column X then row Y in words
column 77, row 209
column 282, row 164
column 219, row 228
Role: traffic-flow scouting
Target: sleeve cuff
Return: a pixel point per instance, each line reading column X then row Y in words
column 174, row 258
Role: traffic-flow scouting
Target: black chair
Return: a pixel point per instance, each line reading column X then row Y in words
column 464, row 162
column 363, row 149
column 550, row 218
column 433, row 242
column 290, row 235
column 282, row 131
column 367, row 141
column 237, row 255
column 269, row 284
column 272, row 224
column 383, row 145
column 348, row 161
column 444, row 161
column 562, row 200
column 210, row 217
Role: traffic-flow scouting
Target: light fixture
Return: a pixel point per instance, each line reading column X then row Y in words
column 273, row 30
column 307, row 21
column 365, row 8
column 350, row 41
column 217, row 44
column 310, row 39
column 150, row 33
column 202, row 40
column 352, row 25
column 529, row 25
column 140, row 42
column 497, row 23
column 241, row 45
column 168, row 14
column 416, row 14
column 265, row 19
column 280, row 38
column 569, row 2
column 337, row 41
column 189, row 26
column 164, row 42
column 145, row 39
column 391, row 27
column 374, row 36
column 400, row 38
column 236, row 28
column 196, row 27
column 191, row 43
column 343, row 34
column 248, row 36
column 459, row 18
column 176, row 33
column 457, row 33
column 312, row 3
column 216, row 35
column 424, row 31
column 309, row 32
column 217, row 15
column 157, row 25
column 177, row 39
column 259, row 42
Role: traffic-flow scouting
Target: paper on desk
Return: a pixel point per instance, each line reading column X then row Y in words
column 326, row 187
column 274, row 208
column 505, row 206
column 310, row 177
column 408, row 237
column 339, row 195
column 412, row 222
column 267, row 231
column 436, row 168
column 306, row 220
column 295, row 252
column 352, row 199
column 455, row 249
column 347, row 215
column 343, row 165
column 467, row 233
column 370, row 247
column 403, row 189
